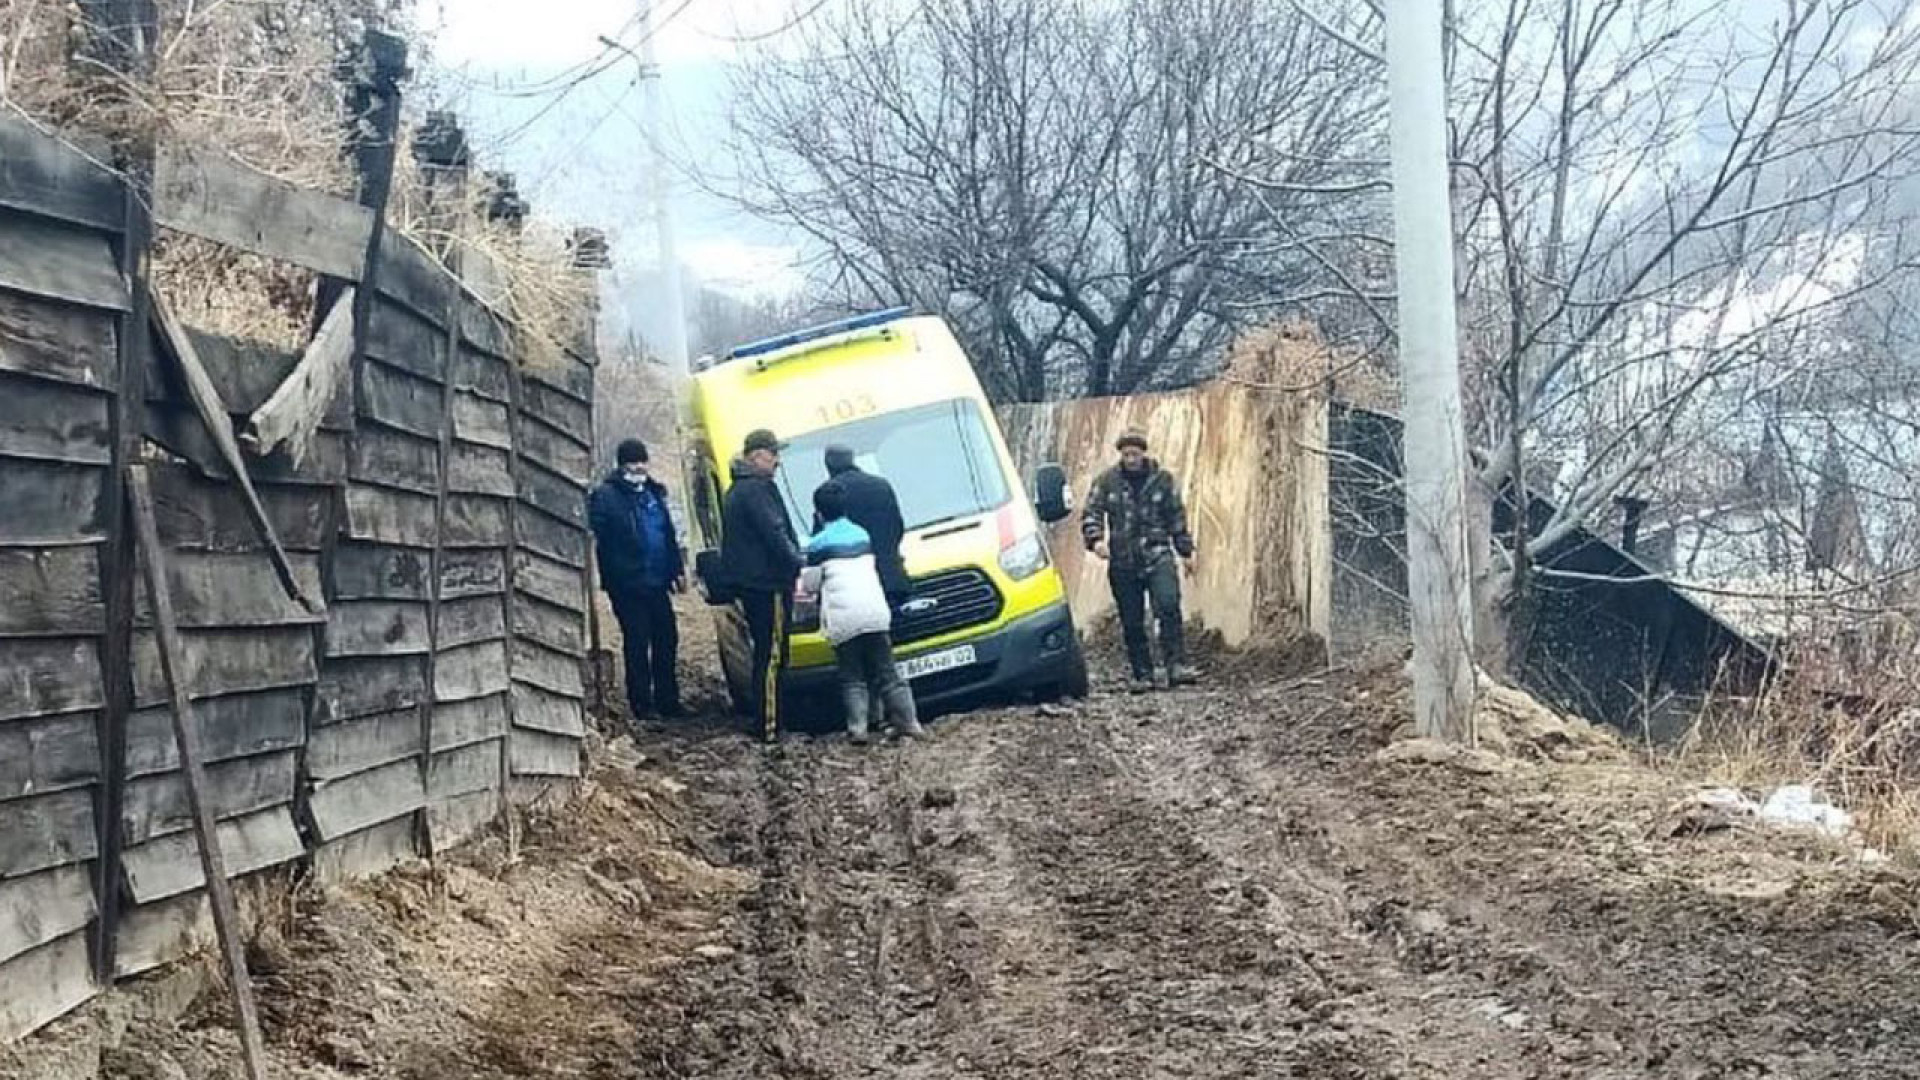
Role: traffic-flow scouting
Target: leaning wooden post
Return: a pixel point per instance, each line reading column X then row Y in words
column 226, row 919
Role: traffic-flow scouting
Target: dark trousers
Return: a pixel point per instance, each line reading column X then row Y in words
column 651, row 643
column 766, row 614
column 1133, row 588
column 869, row 681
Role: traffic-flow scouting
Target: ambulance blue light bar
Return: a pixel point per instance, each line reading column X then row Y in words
column 769, row 346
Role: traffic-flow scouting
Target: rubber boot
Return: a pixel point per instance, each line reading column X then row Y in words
column 856, row 703
column 900, row 707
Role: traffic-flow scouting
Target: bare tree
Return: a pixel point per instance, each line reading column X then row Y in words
column 1040, row 172
column 1663, row 210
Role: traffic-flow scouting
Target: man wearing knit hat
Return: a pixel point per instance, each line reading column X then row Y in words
column 1135, row 521
column 640, row 565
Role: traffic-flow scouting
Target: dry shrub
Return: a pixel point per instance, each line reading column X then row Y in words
column 1290, row 356
column 260, row 81
column 1862, row 750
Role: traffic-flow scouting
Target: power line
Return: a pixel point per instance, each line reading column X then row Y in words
column 765, row 35
column 603, row 63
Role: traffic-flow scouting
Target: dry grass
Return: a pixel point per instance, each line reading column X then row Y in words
column 1862, row 752
column 259, row 80
column 1291, row 357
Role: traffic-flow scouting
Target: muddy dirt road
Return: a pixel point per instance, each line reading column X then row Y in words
column 1216, row 883
column 1226, row 883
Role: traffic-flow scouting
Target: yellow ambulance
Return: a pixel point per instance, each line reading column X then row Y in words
column 988, row 614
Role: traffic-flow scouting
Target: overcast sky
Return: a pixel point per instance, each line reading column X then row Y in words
column 582, row 156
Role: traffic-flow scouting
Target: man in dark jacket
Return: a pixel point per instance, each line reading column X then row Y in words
column 760, row 557
column 1135, row 521
column 641, row 565
column 872, row 505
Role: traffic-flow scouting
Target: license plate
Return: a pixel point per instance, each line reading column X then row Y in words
column 930, row 663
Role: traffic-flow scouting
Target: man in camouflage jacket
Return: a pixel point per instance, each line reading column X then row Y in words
column 1134, row 521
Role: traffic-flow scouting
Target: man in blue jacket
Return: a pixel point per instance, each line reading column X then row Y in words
column 641, row 566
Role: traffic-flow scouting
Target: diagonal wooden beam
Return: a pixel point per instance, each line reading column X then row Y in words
column 213, row 861
column 294, row 411
column 213, row 413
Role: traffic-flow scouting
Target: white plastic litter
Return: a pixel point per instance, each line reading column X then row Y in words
column 1798, row 805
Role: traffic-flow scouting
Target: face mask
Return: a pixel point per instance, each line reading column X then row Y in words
column 637, row 479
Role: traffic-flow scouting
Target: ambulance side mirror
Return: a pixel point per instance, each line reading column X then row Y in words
column 1051, row 499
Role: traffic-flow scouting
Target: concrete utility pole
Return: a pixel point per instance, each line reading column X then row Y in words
column 1439, row 575
column 673, row 344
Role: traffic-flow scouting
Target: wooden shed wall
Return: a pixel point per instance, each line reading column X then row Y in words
column 436, row 517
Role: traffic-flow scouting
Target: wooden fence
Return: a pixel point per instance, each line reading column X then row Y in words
column 407, row 475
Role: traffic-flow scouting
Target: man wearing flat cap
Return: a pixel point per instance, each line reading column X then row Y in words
column 761, row 559
column 1134, row 520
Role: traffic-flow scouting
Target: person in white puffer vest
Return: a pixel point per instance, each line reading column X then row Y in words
column 855, row 616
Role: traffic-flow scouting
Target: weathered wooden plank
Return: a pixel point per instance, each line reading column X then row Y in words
column 572, row 419
column 50, row 753
column 239, row 725
column 42, row 676
column 157, row 805
column 179, row 429
column 537, row 753
column 364, row 685
column 170, row 866
column 464, row 770
column 549, row 580
column 365, row 853
column 366, row 742
column 39, row 908
column 478, row 420
column 53, row 421
column 206, row 515
column 52, row 502
column 544, row 710
column 462, row 723
column 388, row 516
column 567, row 374
column 552, row 494
column 51, row 591
column 487, row 376
column 549, row 536
column 213, row 413
column 356, row 802
column 483, row 280
column 213, row 589
column 457, row 820
column 547, row 445
column 46, row 175
column 56, row 341
column 298, row 405
column 379, row 572
column 399, row 399
column 227, row 661
column 547, row 668
column 204, row 194
column 476, row 521
column 377, row 628
column 44, row 831
column 68, row 264
column 550, row 624
column 482, row 329
column 479, row 470
column 244, row 372
column 161, row 933
column 393, row 458
column 44, row 985
column 399, row 338
column 472, row 572
column 470, row 671
column 411, row 276
column 471, row 620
